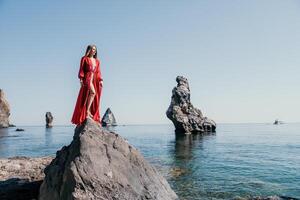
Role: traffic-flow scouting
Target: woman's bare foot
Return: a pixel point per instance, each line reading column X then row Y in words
column 89, row 115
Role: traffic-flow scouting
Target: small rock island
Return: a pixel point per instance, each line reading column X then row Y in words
column 108, row 118
column 186, row 118
column 49, row 119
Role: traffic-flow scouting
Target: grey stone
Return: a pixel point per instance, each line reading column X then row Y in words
column 99, row 164
column 108, row 118
column 185, row 117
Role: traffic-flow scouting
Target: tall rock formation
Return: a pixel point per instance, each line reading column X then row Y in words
column 49, row 119
column 99, row 164
column 4, row 111
column 185, row 117
column 108, row 118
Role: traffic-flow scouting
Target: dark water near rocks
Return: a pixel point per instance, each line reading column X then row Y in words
column 239, row 160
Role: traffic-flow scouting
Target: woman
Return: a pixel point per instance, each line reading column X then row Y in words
column 88, row 100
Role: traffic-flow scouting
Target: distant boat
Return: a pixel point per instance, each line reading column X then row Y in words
column 277, row 122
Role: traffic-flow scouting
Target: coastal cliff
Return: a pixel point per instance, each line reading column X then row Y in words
column 4, row 111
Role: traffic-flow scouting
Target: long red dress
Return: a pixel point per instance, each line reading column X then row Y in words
column 86, row 72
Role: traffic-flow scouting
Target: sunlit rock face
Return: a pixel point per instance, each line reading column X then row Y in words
column 4, row 111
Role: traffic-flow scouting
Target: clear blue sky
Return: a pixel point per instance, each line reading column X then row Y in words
column 242, row 58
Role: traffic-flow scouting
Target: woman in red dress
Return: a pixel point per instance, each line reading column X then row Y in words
column 88, row 100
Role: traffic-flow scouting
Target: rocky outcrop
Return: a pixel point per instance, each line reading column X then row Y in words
column 185, row 117
column 99, row 164
column 266, row 198
column 21, row 177
column 277, row 122
column 108, row 119
column 49, row 119
column 4, row 111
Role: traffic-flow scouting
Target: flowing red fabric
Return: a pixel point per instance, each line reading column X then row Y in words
column 85, row 74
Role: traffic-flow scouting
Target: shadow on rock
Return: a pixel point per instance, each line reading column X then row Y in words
column 19, row 189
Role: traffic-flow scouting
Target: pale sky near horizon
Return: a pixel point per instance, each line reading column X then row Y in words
column 241, row 58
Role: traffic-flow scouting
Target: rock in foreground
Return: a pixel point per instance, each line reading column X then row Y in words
column 185, row 117
column 21, row 177
column 99, row 164
column 109, row 118
column 4, row 111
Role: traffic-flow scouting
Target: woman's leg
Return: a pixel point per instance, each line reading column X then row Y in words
column 91, row 97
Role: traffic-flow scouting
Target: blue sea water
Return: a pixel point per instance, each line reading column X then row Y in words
column 238, row 160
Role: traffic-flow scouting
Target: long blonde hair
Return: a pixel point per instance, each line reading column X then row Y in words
column 89, row 48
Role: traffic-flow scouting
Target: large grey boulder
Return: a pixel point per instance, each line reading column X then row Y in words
column 108, row 118
column 21, row 177
column 49, row 119
column 185, row 117
column 4, row 111
column 99, row 164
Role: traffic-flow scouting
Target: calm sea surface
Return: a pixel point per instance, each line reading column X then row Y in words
column 239, row 160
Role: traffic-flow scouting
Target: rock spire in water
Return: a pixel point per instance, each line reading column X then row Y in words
column 49, row 119
column 108, row 118
column 185, row 117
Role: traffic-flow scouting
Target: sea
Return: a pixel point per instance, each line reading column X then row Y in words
column 239, row 160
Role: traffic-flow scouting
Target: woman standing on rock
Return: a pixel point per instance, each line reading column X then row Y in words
column 88, row 100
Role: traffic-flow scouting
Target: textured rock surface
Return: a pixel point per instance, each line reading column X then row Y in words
column 99, row 164
column 109, row 119
column 4, row 111
column 185, row 117
column 267, row 198
column 49, row 119
column 21, row 177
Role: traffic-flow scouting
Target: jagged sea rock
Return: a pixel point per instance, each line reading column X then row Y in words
column 277, row 122
column 108, row 118
column 4, row 111
column 21, row 177
column 99, row 164
column 49, row 119
column 185, row 117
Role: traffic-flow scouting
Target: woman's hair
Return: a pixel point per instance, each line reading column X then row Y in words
column 88, row 50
